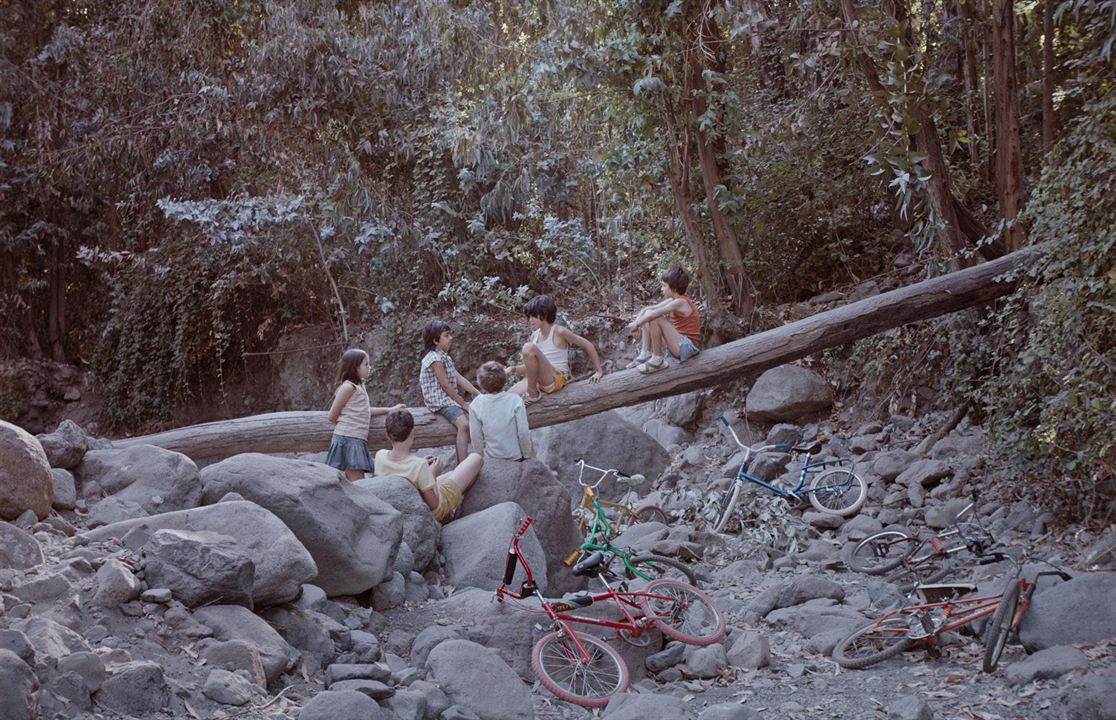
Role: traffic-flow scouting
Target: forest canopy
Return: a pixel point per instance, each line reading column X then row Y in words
column 182, row 182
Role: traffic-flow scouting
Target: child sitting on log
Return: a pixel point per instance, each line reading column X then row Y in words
column 441, row 383
column 442, row 492
column 546, row 356
column 498, row 419
column 673, row 324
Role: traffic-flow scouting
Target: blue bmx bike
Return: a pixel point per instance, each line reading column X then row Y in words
column 833, row 487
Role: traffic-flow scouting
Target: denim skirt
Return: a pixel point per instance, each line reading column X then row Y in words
column 349, row 453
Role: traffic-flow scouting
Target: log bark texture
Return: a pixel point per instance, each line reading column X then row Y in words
column 310, row 431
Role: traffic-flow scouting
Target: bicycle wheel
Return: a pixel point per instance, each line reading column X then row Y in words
column 682, row 612
column 589, row 681
column 873, row 643
column 921, row 571
column 838, row 491
column 648, row 513
column 728, row 504
column 876, row 554
column 657, row 566
column 996, row 634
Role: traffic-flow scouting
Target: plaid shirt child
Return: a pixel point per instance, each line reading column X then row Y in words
column 432, row 393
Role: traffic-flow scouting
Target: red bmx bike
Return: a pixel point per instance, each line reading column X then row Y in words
column 582, row 668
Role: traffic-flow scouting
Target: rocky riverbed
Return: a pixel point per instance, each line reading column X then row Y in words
column 135, row 584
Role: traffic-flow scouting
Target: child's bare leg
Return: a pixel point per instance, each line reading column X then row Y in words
column 666, row 334
column 539, row 369
column 467, row 471
column 655, row 334
column 353, row 475
column 462, row 425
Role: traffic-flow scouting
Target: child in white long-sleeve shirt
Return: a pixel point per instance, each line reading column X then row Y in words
column 497, row 419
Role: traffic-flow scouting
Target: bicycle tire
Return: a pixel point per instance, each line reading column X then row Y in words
column 888, row 636
column 882, row 552
column 688, row 615
column 727, row 506
column 996, row 634
column 842, row 490
column 591, row 684
column 912, row 574
column 648, row 513
column 658, row 567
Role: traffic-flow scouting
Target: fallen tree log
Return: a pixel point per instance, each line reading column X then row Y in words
column 310, row 431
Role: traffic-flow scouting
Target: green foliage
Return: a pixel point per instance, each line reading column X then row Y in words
column 1050, row 394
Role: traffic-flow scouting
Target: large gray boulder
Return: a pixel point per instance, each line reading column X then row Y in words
column 66, row 446
column 235, row 622
column 282, row 563
column 530, row 484
column 157, row 479
column 420, row 530
column 352, row 535
column 25, row 481
column 476, row 678
column 500, row 626
column 19, row 688
column 199, row 568
column 604, row 440
column 475, row 547
column 788, row 392
column 1080, row 610
column 18, row 550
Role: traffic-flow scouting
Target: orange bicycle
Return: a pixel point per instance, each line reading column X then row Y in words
column 943, row 608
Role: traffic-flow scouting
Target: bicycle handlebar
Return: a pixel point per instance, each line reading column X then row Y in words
column 605, row 472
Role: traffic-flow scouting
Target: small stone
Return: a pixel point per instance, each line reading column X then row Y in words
column 115, row 584
column 664, row 659
column 372, row 688
column 89, row 666
column 228, row 688
column 339, row 672
column 137, row 688
column 910, row 707
column 18, row 550
column 157, row 595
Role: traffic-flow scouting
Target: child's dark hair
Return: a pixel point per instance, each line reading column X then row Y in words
column 491, row 377
column 399, row 424
column 677, row 279
column 542, row 307
column 347, row 366
column 431, row 333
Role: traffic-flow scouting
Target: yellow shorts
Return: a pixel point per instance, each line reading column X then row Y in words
column 560, row 380
column 449, row 499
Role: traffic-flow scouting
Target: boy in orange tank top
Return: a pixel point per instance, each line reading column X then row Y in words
column 673, row 324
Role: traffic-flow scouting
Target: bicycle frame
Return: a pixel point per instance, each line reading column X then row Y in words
column 939, row 549
column 558, row 611
column 800, row 489
column 600, row 527
column 969, row 609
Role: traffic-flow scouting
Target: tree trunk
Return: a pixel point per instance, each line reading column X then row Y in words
column 969, row 69
column 56, row 302
column 741, row 289
column 960, row 224
column 1047, row 75
column 310, row 431
column 1009, row 157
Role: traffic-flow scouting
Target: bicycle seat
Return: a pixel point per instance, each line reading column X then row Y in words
column 632, row 480
column 808, row 448
column 944, row 591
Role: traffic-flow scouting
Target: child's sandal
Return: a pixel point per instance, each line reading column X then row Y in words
column 639, row 360
column 655, row 364
column 529, row 399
